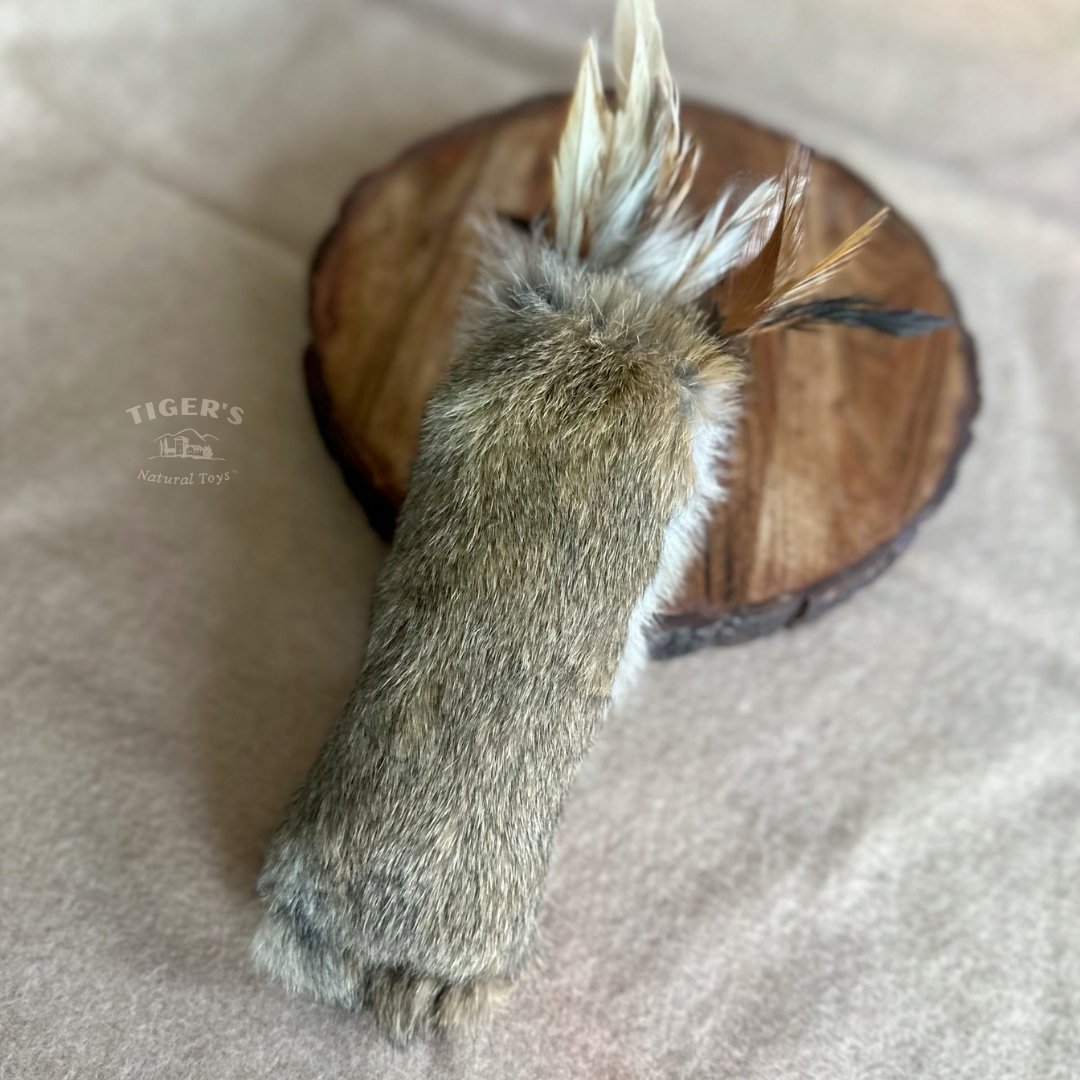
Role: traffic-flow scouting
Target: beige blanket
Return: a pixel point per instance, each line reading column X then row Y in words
column 847, row 851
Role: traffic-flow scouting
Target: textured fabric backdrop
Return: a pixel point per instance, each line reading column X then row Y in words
column 852, row 850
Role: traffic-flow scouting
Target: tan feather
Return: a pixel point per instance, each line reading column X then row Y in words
column 839, row 257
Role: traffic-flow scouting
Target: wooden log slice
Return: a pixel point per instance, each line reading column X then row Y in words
column 850, row 438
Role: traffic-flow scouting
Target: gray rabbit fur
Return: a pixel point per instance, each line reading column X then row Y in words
column 561, row 473
column 565, row 467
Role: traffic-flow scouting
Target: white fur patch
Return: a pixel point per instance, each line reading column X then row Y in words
column 682, row 542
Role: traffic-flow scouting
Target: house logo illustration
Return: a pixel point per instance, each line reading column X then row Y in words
column 186, row 444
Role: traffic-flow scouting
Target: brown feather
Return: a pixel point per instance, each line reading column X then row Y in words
column 751, row 295
column 748, row 292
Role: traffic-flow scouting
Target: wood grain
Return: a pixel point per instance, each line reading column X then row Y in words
column 850, row 438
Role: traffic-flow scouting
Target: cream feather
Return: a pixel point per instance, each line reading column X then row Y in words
column 579, row 165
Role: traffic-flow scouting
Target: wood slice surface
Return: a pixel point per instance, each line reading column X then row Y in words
column 849, row 437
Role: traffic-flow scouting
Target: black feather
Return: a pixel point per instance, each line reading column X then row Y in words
column 855, row 311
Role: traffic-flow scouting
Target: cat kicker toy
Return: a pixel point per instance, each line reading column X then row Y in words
column 566, row 466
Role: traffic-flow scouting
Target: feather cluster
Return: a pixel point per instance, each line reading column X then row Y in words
column 623, row 171
column 621, row 176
